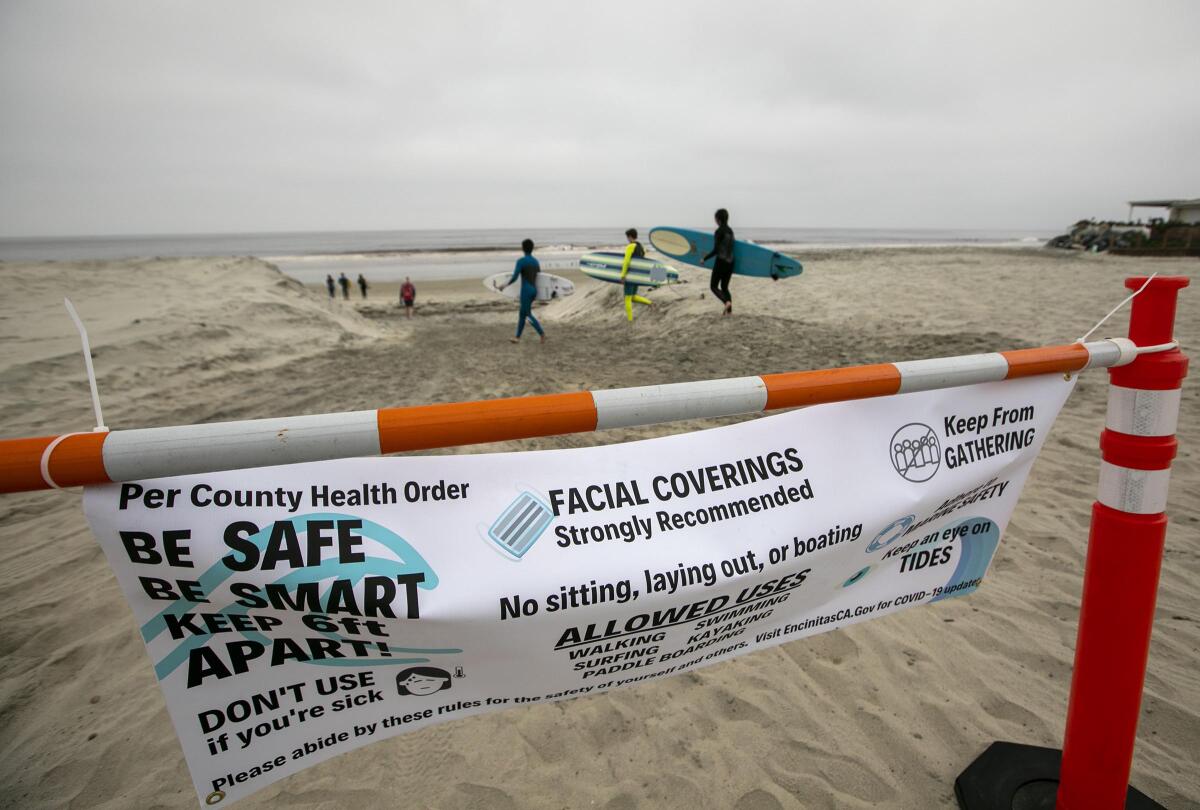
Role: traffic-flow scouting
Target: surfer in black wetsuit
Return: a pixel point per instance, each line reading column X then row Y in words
column 723, row 266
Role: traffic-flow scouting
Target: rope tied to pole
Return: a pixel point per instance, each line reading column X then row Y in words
column 1162, row 347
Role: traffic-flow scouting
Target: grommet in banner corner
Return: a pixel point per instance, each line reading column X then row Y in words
column 856, row 578
column 216, row 797
column 1067, row 376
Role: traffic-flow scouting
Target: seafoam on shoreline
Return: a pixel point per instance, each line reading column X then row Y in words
column 432, row 255
column 474, row 240
column 453, row 265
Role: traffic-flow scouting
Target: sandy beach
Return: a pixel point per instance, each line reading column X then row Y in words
column 882, row 714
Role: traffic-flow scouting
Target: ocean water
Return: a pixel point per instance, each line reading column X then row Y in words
column 448, row 254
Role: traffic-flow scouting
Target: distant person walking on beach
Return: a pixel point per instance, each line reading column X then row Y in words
column 633, row 250
column 332, row 288
column 345, row 282
column 362, row 285
column 723, row 266
column 527, row 270
column 408, row 294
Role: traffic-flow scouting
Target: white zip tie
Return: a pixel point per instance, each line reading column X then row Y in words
column 91, row 372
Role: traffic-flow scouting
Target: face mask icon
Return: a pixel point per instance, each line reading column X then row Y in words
column 520, row 525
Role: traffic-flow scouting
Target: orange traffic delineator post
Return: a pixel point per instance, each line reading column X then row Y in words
column 1120, row 587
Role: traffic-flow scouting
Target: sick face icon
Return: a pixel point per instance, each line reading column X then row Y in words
column 422, row 681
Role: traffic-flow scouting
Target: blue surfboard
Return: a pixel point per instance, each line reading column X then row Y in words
column 749, row 259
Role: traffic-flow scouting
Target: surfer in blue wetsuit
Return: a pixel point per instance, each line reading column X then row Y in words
column 633, row 250
column 723, row 266
column 527, row 270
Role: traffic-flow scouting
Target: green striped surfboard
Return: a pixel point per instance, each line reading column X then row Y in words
column 606, row 266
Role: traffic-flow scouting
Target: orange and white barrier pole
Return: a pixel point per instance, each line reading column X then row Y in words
column 77, row 459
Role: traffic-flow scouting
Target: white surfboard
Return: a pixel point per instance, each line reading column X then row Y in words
column 549, row 286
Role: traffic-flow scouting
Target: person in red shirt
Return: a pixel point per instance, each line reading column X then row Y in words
column 408, row 294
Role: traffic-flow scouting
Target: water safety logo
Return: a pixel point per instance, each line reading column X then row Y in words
column 915, row 451
column 891, row 533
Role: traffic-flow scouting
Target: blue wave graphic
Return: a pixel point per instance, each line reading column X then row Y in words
column 977, row 551
column 409, row 561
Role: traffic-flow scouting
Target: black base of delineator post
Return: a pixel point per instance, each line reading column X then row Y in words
column 1010, row 776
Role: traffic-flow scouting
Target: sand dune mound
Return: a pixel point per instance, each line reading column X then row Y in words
column 159, row 328
column 591, row 298
column 598, row 300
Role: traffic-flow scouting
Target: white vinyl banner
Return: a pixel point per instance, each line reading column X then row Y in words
column 295, row 613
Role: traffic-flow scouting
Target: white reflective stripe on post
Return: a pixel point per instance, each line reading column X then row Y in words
column 1138, row 492
column 644, row 405
column 130, row 455
column 943, row 372
column 1138, row 412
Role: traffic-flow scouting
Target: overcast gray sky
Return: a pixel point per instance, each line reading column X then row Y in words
column 169, row 117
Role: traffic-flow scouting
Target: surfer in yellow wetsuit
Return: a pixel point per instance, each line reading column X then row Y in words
column 633, row 250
